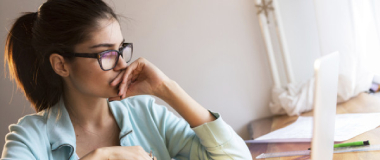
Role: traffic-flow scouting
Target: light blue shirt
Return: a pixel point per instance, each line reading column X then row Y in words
column 50, row 134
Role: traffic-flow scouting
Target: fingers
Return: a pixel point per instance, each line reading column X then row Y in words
column 131, row 74
column 152, row 156
column 118, row 78
column 142, row 153
column 124, row 75
column 140, row 77
column 125, row 78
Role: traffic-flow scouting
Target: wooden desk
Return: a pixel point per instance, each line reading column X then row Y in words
column 363, row 103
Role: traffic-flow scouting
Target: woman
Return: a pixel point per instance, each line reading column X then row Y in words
column 70, row 59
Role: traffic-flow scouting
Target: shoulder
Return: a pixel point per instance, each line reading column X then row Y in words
column 31, row 123
column 26, row 136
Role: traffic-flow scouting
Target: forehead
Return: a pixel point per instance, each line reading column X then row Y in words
column 107, row 32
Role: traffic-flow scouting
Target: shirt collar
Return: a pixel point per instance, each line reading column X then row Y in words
column 60, row 130
column 121, row 114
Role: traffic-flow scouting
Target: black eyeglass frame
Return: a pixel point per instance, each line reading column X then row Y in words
column 99, row 55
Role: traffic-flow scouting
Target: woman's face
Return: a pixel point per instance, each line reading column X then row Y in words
column 86, row 76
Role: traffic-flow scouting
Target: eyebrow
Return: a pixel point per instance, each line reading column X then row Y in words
column 106, row 45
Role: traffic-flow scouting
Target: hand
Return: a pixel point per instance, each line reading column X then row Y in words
column 140, row 77
column 119, row 152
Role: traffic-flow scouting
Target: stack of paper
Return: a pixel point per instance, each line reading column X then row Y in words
column 347, row 126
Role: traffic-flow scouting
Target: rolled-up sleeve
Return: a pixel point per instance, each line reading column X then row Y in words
column 221, row 141
column 213, row 140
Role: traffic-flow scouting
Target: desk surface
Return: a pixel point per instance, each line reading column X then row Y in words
column 363, row 103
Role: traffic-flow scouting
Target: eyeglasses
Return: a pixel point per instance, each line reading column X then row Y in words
column 108, row 59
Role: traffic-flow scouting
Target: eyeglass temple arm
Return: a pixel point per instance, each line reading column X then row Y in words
column 89, row 55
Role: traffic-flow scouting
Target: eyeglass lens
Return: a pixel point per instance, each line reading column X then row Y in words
column 109, row 59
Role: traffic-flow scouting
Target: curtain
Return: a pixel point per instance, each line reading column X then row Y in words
column 352, row 28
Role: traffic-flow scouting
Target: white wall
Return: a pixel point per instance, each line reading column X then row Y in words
column 301, row 34
column 213, row 49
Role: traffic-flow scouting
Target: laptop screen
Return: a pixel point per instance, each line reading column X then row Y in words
column 325, row 99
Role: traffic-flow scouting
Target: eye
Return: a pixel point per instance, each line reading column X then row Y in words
column 121, row 47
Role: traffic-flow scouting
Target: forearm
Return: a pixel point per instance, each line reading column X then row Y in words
column 97, row 154
column 118, row 152
column 186, row 106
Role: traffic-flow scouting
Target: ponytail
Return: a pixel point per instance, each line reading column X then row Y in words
column 27, row 67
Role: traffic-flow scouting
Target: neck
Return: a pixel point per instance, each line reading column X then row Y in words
column 87, row 111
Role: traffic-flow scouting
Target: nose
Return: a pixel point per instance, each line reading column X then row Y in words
column 121, row 64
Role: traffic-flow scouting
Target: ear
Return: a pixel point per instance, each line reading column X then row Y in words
column 58, row 64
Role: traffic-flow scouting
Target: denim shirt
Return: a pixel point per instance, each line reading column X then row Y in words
column 49, row 134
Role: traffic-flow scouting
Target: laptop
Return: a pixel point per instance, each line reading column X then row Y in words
column 326, row 71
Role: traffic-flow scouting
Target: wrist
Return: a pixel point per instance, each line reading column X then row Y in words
column 102, row 153
column 166, row 90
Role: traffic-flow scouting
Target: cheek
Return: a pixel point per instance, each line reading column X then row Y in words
column 88, row 78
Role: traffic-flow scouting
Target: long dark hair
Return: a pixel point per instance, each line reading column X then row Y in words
column 56, row 28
